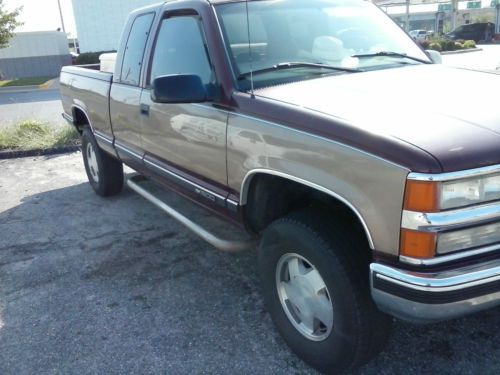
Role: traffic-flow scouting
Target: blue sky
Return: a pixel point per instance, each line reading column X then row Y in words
column 41, row 15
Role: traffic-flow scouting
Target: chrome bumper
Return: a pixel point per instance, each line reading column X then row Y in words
column 428, row 297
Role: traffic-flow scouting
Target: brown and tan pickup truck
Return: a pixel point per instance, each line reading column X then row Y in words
column 297, row 120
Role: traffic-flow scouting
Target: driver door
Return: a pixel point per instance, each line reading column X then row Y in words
column 185, row 143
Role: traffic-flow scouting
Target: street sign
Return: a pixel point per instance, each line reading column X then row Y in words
column 446, row 7
column 474, row 4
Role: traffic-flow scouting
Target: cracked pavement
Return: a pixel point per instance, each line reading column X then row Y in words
column 111, row 286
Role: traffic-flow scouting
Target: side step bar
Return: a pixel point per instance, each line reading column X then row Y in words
column 223, row 245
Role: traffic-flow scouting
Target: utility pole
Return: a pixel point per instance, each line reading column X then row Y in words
column 407, row 23
column 61, row 15
column 454, row 9
column 498, row 16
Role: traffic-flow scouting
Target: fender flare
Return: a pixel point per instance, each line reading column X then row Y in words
column 245, row 185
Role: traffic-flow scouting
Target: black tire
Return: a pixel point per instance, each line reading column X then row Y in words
column 341, row 256
column 107, row 178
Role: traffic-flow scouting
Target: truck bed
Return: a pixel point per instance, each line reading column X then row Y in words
column 87, row 88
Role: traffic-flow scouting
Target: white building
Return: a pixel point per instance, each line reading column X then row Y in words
column 99, row 23
column 34, row 54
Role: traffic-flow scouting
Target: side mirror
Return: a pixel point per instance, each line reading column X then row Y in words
column 435, row 56
column 179, row 88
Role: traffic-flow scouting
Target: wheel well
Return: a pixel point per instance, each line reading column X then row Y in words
column 270, row 197
column 79, row 119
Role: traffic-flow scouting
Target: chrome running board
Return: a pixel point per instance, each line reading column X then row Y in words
column 223, row 245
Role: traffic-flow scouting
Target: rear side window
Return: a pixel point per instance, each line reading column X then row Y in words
column 180, row 49
column 134, row 50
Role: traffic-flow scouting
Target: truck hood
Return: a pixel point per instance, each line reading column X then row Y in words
column 451, row 113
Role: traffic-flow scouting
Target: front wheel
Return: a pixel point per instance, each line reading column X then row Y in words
column 105, row 173
column 317, row 292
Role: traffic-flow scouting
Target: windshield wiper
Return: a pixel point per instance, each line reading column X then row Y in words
column 289, row 65
column 391, row 54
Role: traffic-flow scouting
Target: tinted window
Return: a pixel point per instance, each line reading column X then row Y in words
column 181, row 55
column 134, row 51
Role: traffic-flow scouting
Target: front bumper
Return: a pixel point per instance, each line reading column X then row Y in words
column 428, row 297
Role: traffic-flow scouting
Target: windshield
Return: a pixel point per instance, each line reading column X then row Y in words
column 327, row 32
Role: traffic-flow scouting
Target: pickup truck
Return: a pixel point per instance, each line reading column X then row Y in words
column 295, row 120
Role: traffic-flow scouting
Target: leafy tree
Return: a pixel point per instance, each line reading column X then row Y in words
column 8, row 23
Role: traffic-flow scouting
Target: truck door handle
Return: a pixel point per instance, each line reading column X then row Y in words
column 145, row 109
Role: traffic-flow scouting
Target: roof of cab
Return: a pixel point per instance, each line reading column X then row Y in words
column 160, row 4
column 152, row 7
column 225, row 1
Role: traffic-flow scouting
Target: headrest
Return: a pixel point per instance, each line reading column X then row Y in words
column 328, row 48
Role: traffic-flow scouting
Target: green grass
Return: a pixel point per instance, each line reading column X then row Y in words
column 35, row 135
column 25, row 81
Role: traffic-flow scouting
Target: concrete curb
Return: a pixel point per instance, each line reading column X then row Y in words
column 461, row 51
column 13, row 154
column 47, row 85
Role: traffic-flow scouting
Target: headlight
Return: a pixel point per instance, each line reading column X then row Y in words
column 427, row 196
column 471, row 191
column 433, row 196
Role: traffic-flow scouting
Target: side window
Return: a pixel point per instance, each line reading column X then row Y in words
column 180, row 49
column 134, row 50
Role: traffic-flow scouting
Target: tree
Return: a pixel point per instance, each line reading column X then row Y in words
column 8, row 23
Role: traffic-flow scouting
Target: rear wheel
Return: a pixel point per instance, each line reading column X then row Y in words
column 104, row 172
column 316, row 289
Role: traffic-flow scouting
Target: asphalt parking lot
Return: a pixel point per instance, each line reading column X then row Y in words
column 18, row 105
column 113, row 286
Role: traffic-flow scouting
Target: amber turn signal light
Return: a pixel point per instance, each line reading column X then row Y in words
column 417, row 244
column 422, row 196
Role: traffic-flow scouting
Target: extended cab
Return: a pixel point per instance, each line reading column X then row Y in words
column 295, row 119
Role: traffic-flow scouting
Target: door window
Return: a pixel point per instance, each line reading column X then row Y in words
column 181, row 49
column 134, row 50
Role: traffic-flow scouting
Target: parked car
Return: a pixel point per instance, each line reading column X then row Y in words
column 362, row 209
column 419, row 35
column 473, row 31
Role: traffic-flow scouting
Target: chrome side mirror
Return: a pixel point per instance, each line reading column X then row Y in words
column 435, row 56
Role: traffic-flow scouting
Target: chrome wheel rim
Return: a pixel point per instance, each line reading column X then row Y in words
column 304, row 297
column 92, row 162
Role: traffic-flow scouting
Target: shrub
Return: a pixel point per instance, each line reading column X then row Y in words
column 459, row 45
column 435, row 46
column 34, row 127
column 425, row 44
column 90, row 57
column 469, row 44
column 35, row 135
column 448, row 45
